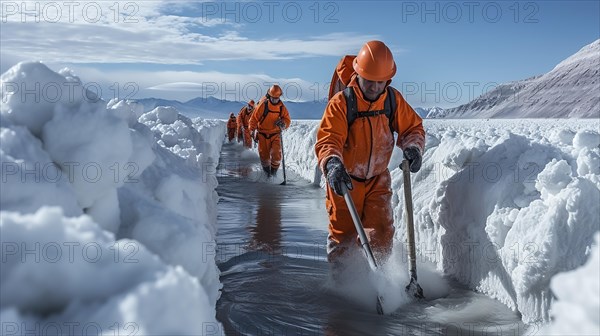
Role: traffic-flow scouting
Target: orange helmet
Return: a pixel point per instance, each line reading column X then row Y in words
column 251, row 103
column 375, row 62
column 275, row 91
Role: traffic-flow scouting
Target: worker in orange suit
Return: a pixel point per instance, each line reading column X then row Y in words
column 231, row 127
column 243, row 122
column 356, row 156
column 270, row 117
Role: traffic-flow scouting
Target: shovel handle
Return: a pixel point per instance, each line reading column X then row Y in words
column 410, row 226
column 282, row 154
column 359, row 228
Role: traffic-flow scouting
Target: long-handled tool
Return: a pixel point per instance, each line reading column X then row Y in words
column 363, row 240
column 413, row 287
column 282, row 155
column 317, row 176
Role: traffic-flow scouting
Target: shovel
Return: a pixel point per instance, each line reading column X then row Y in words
column 363, row 240
column 282, row 156
column 413, row 287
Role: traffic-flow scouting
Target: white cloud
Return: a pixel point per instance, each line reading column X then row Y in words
column 178, row 86
column 83, row 44
column 155, row 32
column 138, row 32
column 185, row 85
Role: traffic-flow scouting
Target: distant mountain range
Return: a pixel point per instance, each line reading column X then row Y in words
column 210, row 108
column 570, row 90
column 430, row 112
column 214, row 108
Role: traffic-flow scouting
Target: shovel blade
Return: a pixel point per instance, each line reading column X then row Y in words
column 414, row 289
column 380, row 305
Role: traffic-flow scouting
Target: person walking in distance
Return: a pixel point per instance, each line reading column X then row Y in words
column 355, row 140
column 243, row 120
column 231, row 127
column 268, row 120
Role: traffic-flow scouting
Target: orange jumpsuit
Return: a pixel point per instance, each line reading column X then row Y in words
column 365, row 149
column 243, row 121
column 269, row 136
column 231, row 127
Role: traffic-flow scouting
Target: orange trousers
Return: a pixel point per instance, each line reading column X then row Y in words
column 247, row 138
column 269, row 149
column 373, row 201
column 230, row 133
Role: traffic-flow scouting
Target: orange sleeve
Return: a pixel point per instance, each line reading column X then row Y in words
column 239, row 120
column 253, row 123
column 409, row 125
column 285, row 116
column 333, row 131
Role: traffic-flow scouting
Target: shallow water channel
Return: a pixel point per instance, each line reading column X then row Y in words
column 271, row 253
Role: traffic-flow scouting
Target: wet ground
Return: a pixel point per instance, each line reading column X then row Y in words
column 271, row 253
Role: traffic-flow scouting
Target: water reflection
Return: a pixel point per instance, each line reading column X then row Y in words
column 266, row 233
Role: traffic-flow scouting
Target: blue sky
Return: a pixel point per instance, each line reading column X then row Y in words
column 447, row 52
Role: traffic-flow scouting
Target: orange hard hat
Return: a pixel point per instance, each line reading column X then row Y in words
column 275, row 91
column 251, row 103
column 375, row 62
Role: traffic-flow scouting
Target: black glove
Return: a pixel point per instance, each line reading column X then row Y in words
column 413, row 155
column 280, row 123
column 336, row 175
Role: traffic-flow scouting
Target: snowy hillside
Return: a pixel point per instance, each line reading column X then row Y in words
column 570, row 90
column 436, row 112
column 422, row 111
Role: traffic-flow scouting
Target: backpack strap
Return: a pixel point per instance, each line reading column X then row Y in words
column 389, row 107
column 266, row 110
column 351, row 105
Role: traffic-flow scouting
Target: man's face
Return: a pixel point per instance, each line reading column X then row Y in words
column 370, row 89
column 274, row 100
